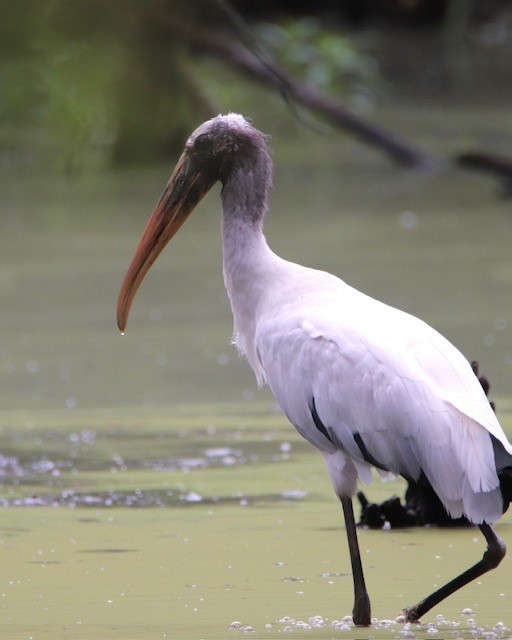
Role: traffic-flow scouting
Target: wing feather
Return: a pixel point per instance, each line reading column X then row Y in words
column 394, row 382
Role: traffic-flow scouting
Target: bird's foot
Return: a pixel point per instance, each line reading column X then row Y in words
column 361, row 613
column 409, row 614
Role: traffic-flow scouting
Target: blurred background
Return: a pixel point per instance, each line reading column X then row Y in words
column 391, row 131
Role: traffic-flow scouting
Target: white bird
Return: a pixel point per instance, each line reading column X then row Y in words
column 367, row 384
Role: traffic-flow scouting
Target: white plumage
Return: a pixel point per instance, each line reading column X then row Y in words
column 367, row 384
column 390, row 378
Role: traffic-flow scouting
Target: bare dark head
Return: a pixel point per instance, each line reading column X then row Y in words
column 221, row 149
column 221, row 145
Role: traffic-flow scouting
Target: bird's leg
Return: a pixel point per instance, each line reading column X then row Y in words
column 361, row 611
column 493, row 555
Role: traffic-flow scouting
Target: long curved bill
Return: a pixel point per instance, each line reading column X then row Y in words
column 186, row 187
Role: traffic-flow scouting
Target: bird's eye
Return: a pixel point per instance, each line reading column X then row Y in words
column 202, row 142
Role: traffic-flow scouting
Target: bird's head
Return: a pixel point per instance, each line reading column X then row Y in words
column 209, row 156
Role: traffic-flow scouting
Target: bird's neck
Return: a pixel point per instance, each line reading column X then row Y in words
column 247, row 257
column 248, row 262
column 244, row 206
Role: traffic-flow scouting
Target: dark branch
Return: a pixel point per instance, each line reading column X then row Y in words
column 499, row 166
column 267, row 71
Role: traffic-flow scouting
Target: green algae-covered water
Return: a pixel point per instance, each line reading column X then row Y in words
column 150, row 490
column 183, row 530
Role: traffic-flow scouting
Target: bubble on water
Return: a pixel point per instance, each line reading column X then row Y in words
column 408, row 220
column 294, row 494
column 192, row 496
column 236, row 625
column 248, row 629
column 300, row 624
column 501, row 323
column 467, row 612
column 386, row 623
column 316, row 621
column 489, row 340
column 44, row 466
column 32, row 366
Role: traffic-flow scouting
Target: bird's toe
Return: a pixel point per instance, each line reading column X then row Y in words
column 409, row 614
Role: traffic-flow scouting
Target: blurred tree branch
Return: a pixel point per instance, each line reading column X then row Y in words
column 493, row 164
column 265, row 70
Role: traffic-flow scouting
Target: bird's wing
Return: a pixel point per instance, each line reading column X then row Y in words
column 384, row 388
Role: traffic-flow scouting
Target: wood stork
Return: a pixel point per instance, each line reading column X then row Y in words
column 367, row 384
